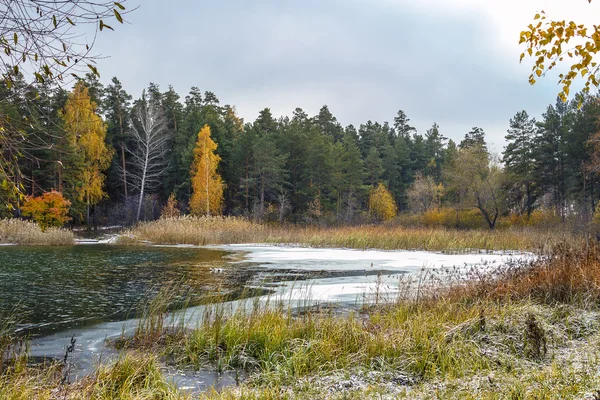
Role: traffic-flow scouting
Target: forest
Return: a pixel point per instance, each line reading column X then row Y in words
column 117, row 159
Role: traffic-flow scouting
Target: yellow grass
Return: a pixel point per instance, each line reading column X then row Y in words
column 223, row 230
column 16, row 231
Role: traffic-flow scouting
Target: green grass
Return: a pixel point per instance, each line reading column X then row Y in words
column 441, row 350
column 134, row 376
column 529, row 332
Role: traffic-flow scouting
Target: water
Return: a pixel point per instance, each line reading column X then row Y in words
column 59, row 288
column 90, row 291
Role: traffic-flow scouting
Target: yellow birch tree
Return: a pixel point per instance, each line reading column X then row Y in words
column 207, row 185
column 381, row 203
column 86, row 134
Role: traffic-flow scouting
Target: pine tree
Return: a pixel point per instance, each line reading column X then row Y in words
column 476, row 137
column 268, row 174
column 434, row 152
column 117, row 110
column 373, row 167
column 207, row 185
column 519, row 162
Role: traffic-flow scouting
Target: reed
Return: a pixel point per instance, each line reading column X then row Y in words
column 225, row 230
column 16, row 231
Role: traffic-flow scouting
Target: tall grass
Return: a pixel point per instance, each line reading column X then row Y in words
column 505, row 321
column 133, row 376
column 16, row 231
column 222, row 230
column 196, row 231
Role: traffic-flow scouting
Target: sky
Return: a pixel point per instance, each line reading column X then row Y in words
column 452, row 62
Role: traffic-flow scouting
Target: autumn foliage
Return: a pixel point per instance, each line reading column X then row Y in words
column 48, row 210
column 207, row 185
column 170, row 210
column 547, row 42
column 381, row 203
column 86, row 132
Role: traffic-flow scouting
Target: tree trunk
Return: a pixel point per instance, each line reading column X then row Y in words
column 262, row 197
column 124, row 169
column 247, row 189
column 87, row 212
column 142, row 185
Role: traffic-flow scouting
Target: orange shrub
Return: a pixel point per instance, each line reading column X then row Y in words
column 48, row 210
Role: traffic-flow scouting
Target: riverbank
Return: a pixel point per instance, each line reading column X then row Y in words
column 520, row 331
column 202, row 231
column 229, row 230
column 528, row 331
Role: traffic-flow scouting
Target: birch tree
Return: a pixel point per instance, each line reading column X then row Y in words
column 478, row 179
column 149, row 156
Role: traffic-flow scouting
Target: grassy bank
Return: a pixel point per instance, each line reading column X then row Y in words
column 529, row 331
column 217, row 230
column 16, row 231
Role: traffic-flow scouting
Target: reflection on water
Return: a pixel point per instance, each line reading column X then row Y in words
column 56, row 288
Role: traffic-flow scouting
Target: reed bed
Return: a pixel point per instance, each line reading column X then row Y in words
column 196, row 231
column 225, row 230
column 20, row 232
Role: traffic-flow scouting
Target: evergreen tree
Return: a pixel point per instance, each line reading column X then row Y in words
column 268, row 170
column 518, row 158
column 116, row 105
column 476, row 137
column 328, row 124
column 402, row 126
column 434, row 152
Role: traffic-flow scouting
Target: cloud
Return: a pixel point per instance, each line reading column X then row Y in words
column 454, row 62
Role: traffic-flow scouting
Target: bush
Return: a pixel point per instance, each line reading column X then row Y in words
column 48, row 210
column 16, row 231
column 452, row 218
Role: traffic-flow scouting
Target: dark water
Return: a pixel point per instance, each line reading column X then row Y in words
column 58, row 288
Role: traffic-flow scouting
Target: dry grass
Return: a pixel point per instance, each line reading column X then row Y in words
column 16, row 231
column 196, row 231
column 224, row 230
column 568, row 274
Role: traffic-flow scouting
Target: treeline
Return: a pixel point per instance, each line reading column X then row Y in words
column 296, row 168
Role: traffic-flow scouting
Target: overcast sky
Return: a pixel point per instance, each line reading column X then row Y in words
column 454, row 62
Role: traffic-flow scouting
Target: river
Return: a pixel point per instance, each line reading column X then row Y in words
column 91, row 291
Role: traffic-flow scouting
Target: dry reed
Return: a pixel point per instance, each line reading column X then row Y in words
column 224, row 230
column 16, row 231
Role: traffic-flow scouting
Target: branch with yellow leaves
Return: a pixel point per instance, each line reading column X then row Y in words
column 549, row 42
